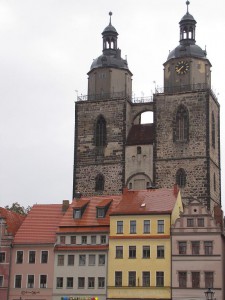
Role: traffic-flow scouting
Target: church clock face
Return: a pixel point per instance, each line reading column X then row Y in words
column 182, row 67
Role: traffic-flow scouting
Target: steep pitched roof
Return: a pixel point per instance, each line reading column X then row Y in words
column 89, row 220
column 141, row 134
column 12, row 219
column 40, row 225
column 152, row 201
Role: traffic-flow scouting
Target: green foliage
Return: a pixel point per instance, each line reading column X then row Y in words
column 15, row 207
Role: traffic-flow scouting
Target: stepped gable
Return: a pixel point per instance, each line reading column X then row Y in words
column 89, row 221
column 152, row 201
column 141, row 134
column 12, row 219
column 40, row 224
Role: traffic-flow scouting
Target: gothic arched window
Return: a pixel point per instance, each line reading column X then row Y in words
column 99, row 183
column 100, row 132
column 181, row 124
column 213, row 130
column 181, row 178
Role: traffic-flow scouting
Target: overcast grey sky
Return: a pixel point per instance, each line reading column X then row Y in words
column 47, row 47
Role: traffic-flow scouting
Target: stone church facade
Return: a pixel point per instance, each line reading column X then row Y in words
column 181, row 146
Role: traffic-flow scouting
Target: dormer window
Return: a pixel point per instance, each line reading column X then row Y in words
column 100, row 212
column 77, row 213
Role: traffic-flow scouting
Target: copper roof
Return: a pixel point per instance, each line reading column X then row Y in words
column 141, row 134
column 40, row 224
column 12, row 219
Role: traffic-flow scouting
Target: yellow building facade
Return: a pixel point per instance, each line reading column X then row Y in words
column 139, row 261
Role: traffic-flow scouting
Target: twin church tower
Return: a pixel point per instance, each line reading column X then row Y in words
column 181, row 146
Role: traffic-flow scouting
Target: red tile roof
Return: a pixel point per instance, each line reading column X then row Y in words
column 40, row 225
column 12, row 219
column 152, row 201
column 141, row 134
column 89, row 221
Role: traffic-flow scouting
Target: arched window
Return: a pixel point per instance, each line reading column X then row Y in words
column 181, row 178
column 213, row 130
column 181, row 125
column 99, row 183
column 100, row 132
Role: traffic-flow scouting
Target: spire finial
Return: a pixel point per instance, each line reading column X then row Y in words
column 187, row 3
column 110, row 14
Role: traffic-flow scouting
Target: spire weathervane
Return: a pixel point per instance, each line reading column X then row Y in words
column 110, row 14
column 187, row 3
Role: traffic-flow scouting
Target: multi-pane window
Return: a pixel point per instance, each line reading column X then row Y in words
column 1, row 280
column 190, row 222
column 146, row 226
column 60, row 260
column 81, row 282
column 100, row 132
column 91, row 282
column 18, row 281
column 182, row 247
column 70, row 260
column 84, row 239
column 132, row 226
column 62, row 239
column 132, row 251
column 146, row 251
column 103, row 239
column 100, row 212
column 181, row 128
column 200, row 222
column 82, row 260
column 195, row 246
column 182, row 278
column 160, row 252
column 101, row 259
column 160, row 227
column 93, row 239
column 132, row 278
column 44, row 257
column 19, row 257
column 119, row 226
column 159, row 278
column 208, row 246
column 101, row 282
column 181, row 178
column 118, row 278
column 43, row 281
column 195, row 278
column 2, row 257
column 209, row 280
column 119, row 251
column 59, row 282
column 73, row 239
column 145, row 278
column 77, row 213
column 91, row 259
column 32, row 257
column 69, row 282
column 30, row 281
column 99, row 183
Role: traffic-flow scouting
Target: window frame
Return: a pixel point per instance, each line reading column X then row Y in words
column 132, row 278
column 19, row 260
column 30, row 255
column 59, row 282
column 146, row 278
column 160, row 251
column 146, row 226
column 20, row 277
column 119, row 227
column 159, row 278
column 132, row 252
column 119, row 252
column 30, row 281
column 146, row 253
column 133, row 227
column 2, row 257
column 118, row 278
column 161, row 226
column 44, row 256
column 40, row 281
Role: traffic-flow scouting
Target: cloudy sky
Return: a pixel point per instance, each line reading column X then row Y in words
column 47, row 47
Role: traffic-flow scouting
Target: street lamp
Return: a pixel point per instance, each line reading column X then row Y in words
column 209, row 294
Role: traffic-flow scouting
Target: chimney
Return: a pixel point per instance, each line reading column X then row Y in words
column 65, row 205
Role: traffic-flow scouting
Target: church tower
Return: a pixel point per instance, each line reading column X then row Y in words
column 186, row 117
column 100, row 122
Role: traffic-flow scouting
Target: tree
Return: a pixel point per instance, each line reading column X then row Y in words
column 15, row 207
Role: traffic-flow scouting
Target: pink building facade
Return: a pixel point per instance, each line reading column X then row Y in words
column 197, row 254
